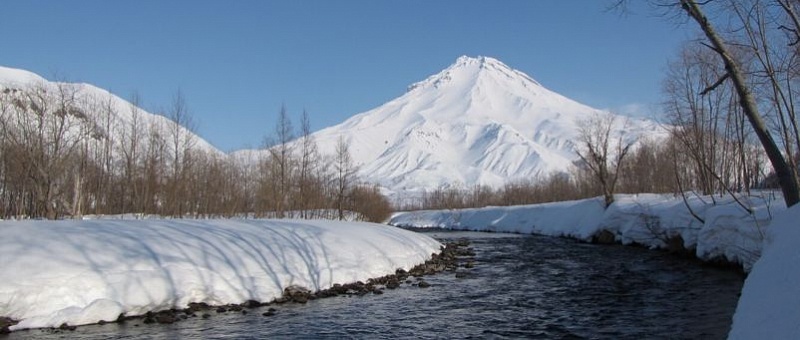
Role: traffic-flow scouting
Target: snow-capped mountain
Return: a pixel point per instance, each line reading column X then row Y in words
column 476, row 122
column 94, row 100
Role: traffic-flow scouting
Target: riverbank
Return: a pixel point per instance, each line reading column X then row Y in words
column 72, row 273
column 769, row 307
column 455, row 257
column 737, row 231
column 713, row 229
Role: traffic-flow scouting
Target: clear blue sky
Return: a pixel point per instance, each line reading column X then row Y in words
column 237, row 62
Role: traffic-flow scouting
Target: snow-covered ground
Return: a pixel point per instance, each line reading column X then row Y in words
column 727, row 230
column 769, row 307
column 80, row 272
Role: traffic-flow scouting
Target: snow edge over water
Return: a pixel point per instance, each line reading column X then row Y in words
column 82, row 272
column 727, row 231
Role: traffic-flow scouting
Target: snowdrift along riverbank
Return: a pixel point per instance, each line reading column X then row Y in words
column 727, row 230
column 769, row 307
column 80, row 272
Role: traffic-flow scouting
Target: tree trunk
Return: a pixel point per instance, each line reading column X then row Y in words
column 77, row 197
column 788, row 183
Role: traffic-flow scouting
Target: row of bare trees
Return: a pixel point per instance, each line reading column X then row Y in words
column 755, row 44
column 736, row 86
column 720, row 153
column 665, row 165
column 297, row 181
column 65, row 153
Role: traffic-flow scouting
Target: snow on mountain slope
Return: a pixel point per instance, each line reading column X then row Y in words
column 476, row 122
column 12, row 77
column 94, row 100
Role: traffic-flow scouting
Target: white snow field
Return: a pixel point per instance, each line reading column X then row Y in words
column 769, row 307
column 81, row 272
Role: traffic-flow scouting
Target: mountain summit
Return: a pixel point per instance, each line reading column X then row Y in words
column 470, row 67
column 476, row 122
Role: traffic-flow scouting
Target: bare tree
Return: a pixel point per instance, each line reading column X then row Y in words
column 42, row 130
column 648, row 168
column 345, row 173
column 154, row 170
column 277, row 168
column 307, row 185
column 10, row 188
column 102, row 142
column 734, row 71
column 769, row 33
column 601, row 152
column 770, row 30
column 182, row 142
column 699, row 122
column 370, row 204
column 131, row 136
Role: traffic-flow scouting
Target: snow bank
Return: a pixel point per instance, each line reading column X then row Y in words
column 728, row 230
column 572, row 218
column 769, row 307
column 79, row 272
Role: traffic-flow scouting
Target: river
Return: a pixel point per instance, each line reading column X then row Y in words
column 521, row 286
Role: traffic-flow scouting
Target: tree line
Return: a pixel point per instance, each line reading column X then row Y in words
column 679, row 164
column 65, row 153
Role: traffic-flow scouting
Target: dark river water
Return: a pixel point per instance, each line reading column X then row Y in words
column 520, row 287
